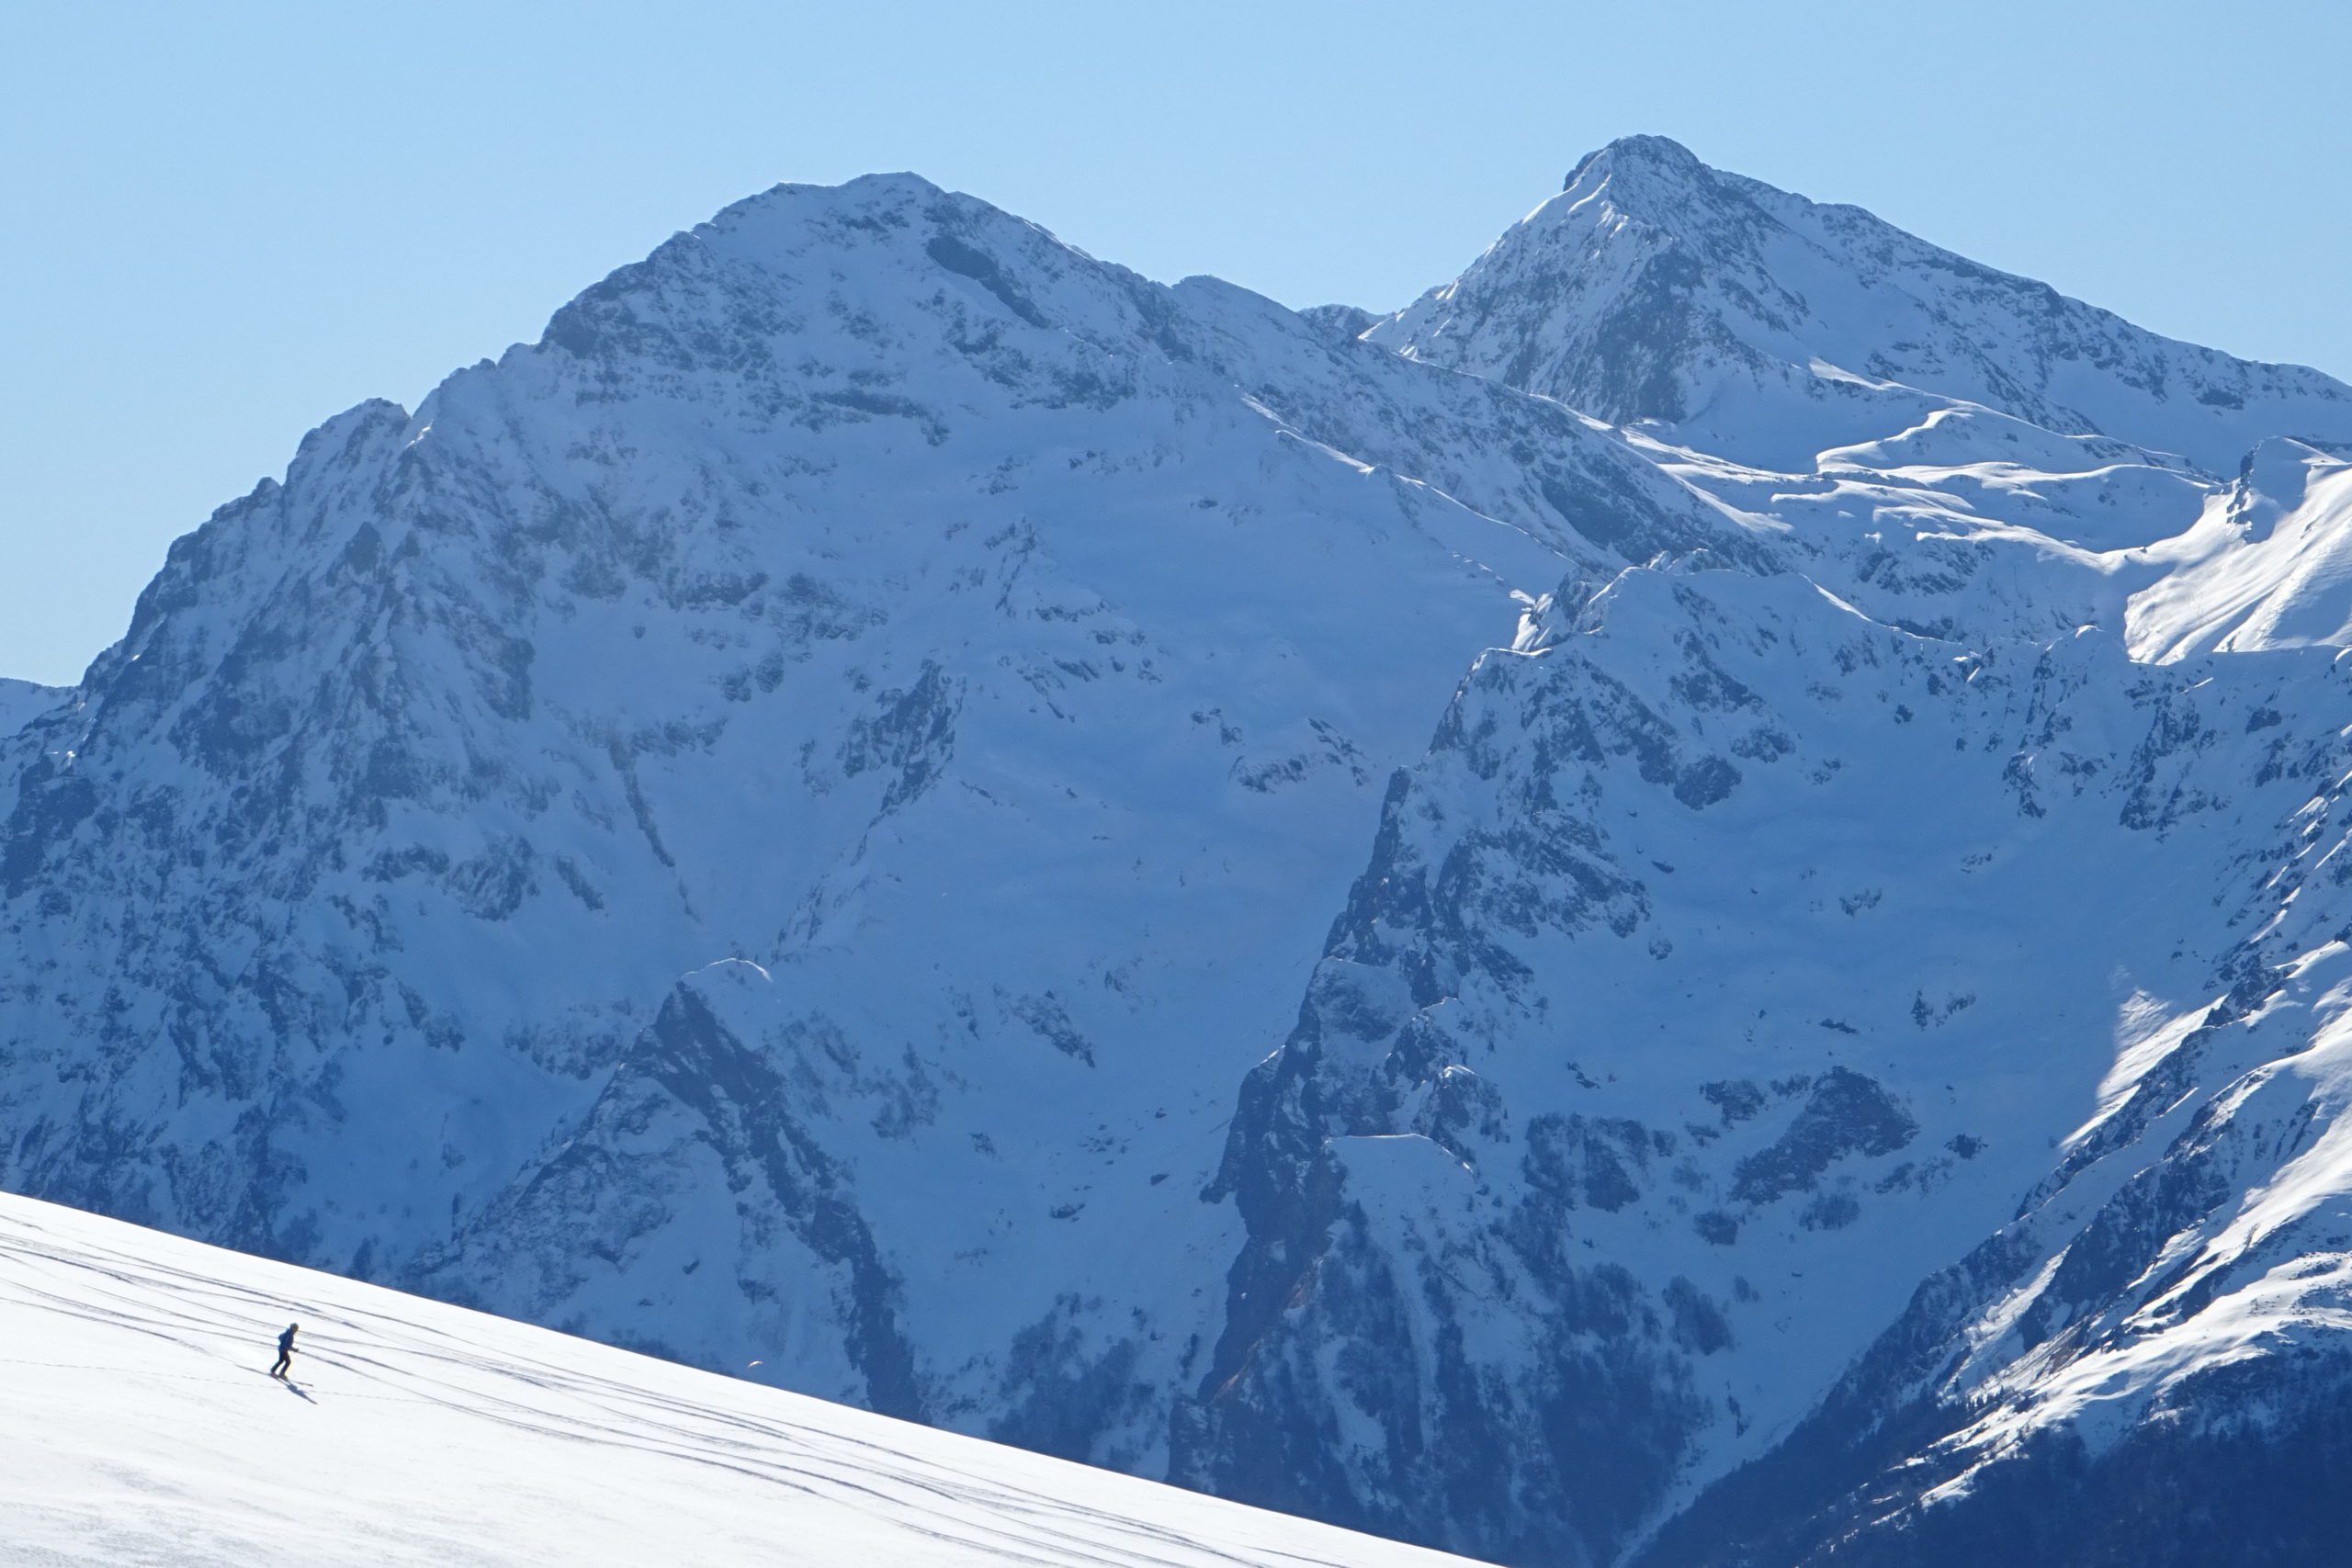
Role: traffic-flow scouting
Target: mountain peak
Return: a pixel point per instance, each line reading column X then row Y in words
column 1656, row 180
column 858, row 202
column 1763, row 326
column 1644, row 151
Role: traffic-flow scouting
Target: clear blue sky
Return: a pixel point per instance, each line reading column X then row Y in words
column 221, row 222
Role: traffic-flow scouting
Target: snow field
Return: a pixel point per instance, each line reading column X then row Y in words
column 138, row 1424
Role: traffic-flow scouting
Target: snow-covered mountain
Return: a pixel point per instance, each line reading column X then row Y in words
column 142, row 1427
column 1273, row 899
column 1747, row 322
column 951, row 639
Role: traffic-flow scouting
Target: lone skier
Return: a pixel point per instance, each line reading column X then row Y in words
column 285, row 1351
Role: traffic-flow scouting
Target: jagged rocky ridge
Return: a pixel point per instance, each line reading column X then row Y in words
column 1797, row 929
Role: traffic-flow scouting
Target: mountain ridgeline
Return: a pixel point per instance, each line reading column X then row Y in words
column 1686, row 904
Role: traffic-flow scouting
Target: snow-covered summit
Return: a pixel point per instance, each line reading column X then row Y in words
column 1754, row 324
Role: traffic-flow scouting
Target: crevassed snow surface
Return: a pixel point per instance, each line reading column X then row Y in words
column 140, row 1426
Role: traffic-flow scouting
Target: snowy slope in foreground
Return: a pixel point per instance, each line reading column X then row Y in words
column 138, row 1425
